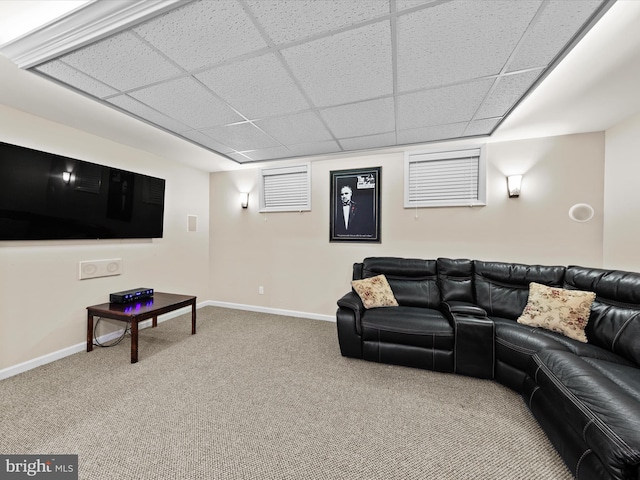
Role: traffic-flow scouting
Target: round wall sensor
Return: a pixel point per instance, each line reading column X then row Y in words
column 581, row 212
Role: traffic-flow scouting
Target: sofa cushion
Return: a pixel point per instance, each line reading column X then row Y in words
column 414, row 326
column 502, row 289
column 614, row 323
column 374, row 292
column 517, row 343
column 599, row 401
column 584, row 350
column 627, row 377
column 559, row 310
column 413, row 281
column 455, row 279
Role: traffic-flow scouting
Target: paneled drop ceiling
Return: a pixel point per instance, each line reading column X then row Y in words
column 259, row 80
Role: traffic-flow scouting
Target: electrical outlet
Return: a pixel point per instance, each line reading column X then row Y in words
column 261, row 290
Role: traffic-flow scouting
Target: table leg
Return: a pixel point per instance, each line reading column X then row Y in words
column 193, row 318
column 134, row 341
column 89, row 332
column 154, row 322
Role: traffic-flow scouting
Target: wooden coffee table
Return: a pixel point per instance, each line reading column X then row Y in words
column 138, row 311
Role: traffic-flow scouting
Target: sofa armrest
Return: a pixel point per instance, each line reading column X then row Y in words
column 348, row 320
column 464, row 308
column 474, row 347
column 474, row 339
column 352, row 301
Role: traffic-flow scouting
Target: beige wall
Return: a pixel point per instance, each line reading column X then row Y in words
column 42, row 302
column 622, row 196
column 291, row 256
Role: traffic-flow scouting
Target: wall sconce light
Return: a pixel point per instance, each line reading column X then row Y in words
column 514, row 184
column 66, row 177
column 244, row 199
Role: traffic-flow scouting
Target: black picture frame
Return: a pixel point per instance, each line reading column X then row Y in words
column 362, row 192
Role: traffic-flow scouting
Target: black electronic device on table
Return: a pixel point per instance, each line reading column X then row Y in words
column 128, row 296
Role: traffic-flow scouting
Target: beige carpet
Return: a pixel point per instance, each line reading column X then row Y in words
column 257, row 396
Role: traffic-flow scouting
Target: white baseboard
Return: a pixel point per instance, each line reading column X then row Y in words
column 275, row 311
column 81, row 347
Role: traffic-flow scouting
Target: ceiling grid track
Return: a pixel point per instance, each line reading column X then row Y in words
column 256, row 80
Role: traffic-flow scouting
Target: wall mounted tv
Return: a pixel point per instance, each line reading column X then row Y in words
column 50, row 197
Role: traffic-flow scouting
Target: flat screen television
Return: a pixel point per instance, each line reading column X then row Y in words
column 44, row 196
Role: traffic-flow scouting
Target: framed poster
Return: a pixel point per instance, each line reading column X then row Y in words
column 355, row 205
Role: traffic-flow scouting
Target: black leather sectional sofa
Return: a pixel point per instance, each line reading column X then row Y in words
column 459, row 316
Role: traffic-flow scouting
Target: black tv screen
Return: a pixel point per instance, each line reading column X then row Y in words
column 51, row 197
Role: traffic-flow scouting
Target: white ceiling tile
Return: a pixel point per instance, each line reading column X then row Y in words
column 506, row 93
column 481, row 127
column 335, row 54
column 188, row 102
column 369, row 141
column 429, row 134
column 405, row 4
column 143, row 111
column 444, row 105
column 316, row 148
column 66, row 74
column 559, row 21
column 122, row 61
column 346, row 67
column 203, row 33
column 207, row 141
column 300, row 128
column 458, row 41
column 293, row 20
column 269, row 153
column 257, row 87
column 238, row 157
column 356, row 119
column 241, row 136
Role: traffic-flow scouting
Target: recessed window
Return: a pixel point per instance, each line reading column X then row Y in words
column 285, row 189
column 445, row 179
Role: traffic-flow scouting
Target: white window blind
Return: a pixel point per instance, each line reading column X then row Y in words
column 441, row 179
column 285, row 189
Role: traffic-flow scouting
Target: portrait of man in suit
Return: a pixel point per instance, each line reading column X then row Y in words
column 355, row 205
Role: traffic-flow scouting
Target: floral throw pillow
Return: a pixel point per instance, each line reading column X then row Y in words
column 557, row 309
column 375, row 292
